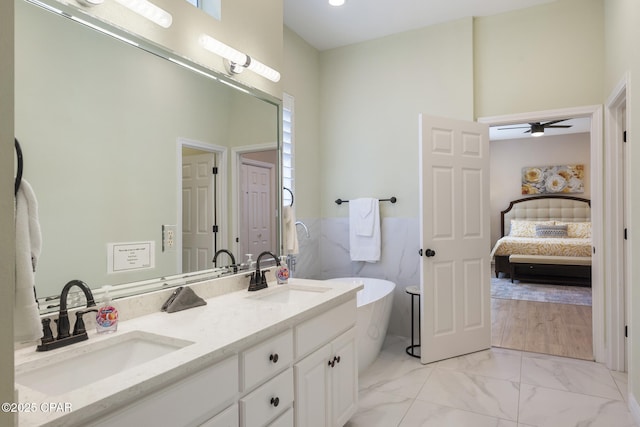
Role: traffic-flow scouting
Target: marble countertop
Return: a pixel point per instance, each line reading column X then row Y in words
column 226, row 325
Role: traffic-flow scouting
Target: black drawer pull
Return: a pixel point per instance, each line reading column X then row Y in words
column 275, row 401
column 274, row 357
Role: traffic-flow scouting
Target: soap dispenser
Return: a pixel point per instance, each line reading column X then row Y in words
column 282, row 272
column 107, row 316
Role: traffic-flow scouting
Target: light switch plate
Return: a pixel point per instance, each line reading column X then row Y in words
column 169, row 237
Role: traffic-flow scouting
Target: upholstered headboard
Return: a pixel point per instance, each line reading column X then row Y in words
column 541, row 208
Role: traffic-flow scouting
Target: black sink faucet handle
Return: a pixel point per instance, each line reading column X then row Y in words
column 79, row 327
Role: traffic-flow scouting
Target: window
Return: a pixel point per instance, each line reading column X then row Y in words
column 212, row 7
column 287, row 147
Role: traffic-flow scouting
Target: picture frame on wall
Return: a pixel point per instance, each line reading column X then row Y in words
column 563, row 179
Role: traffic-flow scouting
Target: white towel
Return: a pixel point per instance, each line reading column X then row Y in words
column 289, row 230
column 26, row 316
column 364, row 229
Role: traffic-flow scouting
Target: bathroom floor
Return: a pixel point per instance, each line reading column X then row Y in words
column 496, row 387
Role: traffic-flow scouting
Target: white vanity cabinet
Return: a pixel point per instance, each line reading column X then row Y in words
column 304, row 375
column 326, row 380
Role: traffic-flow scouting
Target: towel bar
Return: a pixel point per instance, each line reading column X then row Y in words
column 391, row 199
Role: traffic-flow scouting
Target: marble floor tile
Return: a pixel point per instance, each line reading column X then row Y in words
column 379, row 409
column 496, row 387
column 495, row 363
column 475, row 393
column 543, row 407
column 427, row 414
column 622, row 382
column 401, row 376
column 570, row 375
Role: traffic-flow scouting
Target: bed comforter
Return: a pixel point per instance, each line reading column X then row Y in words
column 571, row 246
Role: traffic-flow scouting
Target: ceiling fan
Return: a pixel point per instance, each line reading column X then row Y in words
column 537, row 128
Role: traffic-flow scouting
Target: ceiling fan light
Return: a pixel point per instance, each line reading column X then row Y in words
column 537, row 130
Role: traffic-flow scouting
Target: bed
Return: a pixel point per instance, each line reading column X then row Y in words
column 562, row 256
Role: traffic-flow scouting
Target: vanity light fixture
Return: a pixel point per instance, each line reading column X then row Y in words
column 237, row 61
column 336, row 2
column 150, row 11
column 537, row 130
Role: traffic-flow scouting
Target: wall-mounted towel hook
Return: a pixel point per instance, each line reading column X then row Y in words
column 290, row 192
column 20, row 166
column 390, row 199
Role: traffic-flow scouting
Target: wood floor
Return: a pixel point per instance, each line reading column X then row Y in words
column 542, row 327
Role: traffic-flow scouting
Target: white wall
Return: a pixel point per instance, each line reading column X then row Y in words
column 541, row 58
column 508, row 157
column 371, row 96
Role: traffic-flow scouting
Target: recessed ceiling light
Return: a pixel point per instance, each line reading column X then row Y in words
column 336, row 2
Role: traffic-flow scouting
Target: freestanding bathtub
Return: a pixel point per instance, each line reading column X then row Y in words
column 374, row 310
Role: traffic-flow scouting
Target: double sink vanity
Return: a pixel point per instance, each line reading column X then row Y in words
column 281, row 356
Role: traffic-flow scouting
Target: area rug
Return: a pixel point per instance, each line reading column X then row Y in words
column 504, row 289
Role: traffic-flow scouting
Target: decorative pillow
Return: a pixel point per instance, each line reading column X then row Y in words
column 581, row 230
column 551, row 230
column 523, row 228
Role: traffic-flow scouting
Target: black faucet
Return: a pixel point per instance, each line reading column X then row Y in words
column 233, row 259
column 258, row 278
column 64, row 338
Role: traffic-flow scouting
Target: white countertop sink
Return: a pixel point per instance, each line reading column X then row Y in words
column 80, row 365
column 286, row 294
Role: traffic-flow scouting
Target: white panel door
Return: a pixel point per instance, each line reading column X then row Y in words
column 197, row 212
column 258, row 214
column 454, row 237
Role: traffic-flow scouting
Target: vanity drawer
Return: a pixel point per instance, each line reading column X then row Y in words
column 284, row 420
column 318, row 331
column 226, row 418
column 187, row 402
column 267, row 401
column 266, row 359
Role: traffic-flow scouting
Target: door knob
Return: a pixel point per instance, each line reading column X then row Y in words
column 429, row 253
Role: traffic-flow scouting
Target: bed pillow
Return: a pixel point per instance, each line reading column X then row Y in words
column 523, row 228
column 551, row 231
column 581, row 230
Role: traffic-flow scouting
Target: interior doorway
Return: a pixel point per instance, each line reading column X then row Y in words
column 594, row 113
column 617, row 213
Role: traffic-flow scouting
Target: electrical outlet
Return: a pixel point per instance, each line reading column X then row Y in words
column 168, row 237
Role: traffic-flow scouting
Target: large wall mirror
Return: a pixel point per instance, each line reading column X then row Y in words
column 120, row 143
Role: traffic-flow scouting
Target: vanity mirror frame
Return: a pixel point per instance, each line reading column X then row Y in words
column 81, row 17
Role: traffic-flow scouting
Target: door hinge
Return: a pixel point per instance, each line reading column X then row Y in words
column 215, row 228
column 214, row 170
column 624, row 136
column 625, row 234
column 626, row 331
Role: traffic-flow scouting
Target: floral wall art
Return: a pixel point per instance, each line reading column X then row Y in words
column 553, row 179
